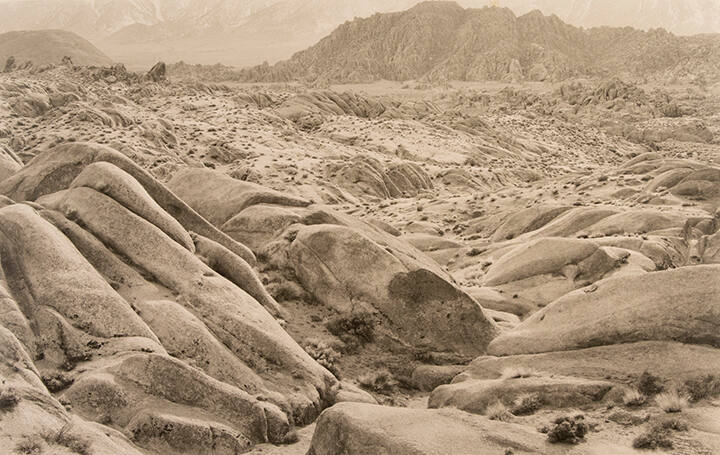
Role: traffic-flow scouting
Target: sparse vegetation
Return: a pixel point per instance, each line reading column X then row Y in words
column 498, row 411
column 649, row 384
column 9, row 400
column 659, row 436
column 65, row 438
column 57, row 381
column 526, row 404
column 702, row 387
column 634, row 398
column 671, row 401
column 30, row 445
column 567, row 430
column 324, row 355
column 381, row 381
column 357, row 326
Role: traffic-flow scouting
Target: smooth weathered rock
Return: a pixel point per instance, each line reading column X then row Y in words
column 678, row 305
column 365, row 429
column 219, row 197
column 121, row 186
column 55, row 170
column 347, row 271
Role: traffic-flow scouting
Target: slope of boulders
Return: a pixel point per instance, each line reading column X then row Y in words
column 103, row 268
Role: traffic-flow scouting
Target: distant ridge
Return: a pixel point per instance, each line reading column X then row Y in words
column 440, row 40
column 49, row 46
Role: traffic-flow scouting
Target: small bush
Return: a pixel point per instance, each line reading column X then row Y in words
column 671, row 401
column 526, row 404
column 568, row 430
column 382, row 381
column 498, row 411
column 660, row 435
column 9, row 399
column 57, row 381
column 633, row 398
column 360, row 326
column 518, row 372
column 649, row 384
column 702, row 387
column 324, row 355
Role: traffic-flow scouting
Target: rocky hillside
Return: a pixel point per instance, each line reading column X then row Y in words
column 49, row 46
column 442, row 41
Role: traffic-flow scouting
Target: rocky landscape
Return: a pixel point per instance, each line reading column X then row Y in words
column 195, row 264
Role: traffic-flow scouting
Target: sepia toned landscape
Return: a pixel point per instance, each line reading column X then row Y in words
column 357, row 228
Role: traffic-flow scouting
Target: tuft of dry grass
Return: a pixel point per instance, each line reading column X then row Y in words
column 381, row 381
column 671, row 401
column 498, row 411
column 660, row 435
column 633, row 398
column 526, row 404
column 518, row 372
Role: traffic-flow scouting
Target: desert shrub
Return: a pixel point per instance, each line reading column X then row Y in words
column 633, row 398
column 649, row 385
column 518, row 372
column 9, row 399
column 660, row 435
column 360, row 326
column 286, row 291
column 568, row 430
column 57, row 381
column 498, row 411
column 671, row 401
column 381, row 381
column 324, row 355
column 526, row 404
column 702, row 387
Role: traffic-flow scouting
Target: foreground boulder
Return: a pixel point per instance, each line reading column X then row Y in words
column 138, row 324
column 369, row 429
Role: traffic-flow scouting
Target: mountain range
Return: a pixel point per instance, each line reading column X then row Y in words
column 443, row 41
column 249, row 32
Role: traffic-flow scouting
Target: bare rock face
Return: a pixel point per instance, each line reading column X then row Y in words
column 139, row 323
